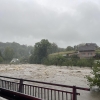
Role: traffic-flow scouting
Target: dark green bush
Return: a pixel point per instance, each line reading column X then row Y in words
column 68, row 61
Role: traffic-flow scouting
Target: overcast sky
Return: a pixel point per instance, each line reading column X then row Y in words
column 64, row 22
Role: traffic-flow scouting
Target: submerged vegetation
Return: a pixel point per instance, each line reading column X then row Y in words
column 95, row 79
column 68, row 61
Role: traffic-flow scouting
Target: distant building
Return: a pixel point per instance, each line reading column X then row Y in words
column 14, row 61
column 87, row 50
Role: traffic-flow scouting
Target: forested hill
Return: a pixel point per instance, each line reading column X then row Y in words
column 18, row 51
column 8, row 50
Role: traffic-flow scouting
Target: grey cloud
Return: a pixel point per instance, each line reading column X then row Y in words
column 27, row 21
column 89, row 21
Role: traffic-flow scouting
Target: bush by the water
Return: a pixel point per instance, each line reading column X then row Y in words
column 68, row 61
column 95, row 79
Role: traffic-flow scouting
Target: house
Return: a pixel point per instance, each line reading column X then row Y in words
column 14, row 61
column 87, row 50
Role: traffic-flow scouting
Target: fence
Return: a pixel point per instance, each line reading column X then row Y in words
column 42, row 90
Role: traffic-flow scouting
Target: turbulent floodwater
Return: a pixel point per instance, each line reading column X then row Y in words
column 93, row 95
column 54, row 74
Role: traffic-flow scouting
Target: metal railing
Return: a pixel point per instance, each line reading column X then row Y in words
column 42, row 90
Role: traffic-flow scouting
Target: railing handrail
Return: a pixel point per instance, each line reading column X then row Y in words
column 10, row 77
column 68, row 86
column 38, row 82
column 37, row 87
column 81, row 88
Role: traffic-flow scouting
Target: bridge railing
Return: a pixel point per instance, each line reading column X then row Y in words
column 42, row 90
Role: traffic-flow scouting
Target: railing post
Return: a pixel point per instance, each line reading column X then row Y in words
column 2, row 84
column 21, row 88
column 74, row 93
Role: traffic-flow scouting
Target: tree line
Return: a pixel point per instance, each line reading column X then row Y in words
column 42, row 49
column 8, row 51
column 39, row 54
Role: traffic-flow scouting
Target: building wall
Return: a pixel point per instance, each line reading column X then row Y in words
column 86, row 54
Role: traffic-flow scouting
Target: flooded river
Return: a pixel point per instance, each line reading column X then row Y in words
column 53, row 74
column 91, row 95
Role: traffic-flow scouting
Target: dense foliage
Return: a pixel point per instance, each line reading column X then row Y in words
column 8, row 54
column 68, row 61
column 69, row 48
column 95, row 79
column 25, row 53
column 1, row 57
column 14, row 50
column 97, row 56
column 40, row 51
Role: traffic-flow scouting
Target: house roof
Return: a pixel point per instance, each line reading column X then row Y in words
column 88, row 47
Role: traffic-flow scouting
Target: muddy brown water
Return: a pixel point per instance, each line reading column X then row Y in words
column 55, row 75
column 89, row 95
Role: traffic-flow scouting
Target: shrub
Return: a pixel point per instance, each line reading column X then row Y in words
column 95, row 80
column 1, row 59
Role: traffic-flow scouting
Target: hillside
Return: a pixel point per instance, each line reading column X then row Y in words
column 62, row 53
column 68, row 52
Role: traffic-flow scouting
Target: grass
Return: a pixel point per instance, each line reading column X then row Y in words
column 98, row 51
column 61, row 53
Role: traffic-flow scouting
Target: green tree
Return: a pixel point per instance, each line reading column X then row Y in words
column 0, row 54
column 75, row 47
column 60, row 60
column 1, row 57
column 40, row 51
column 95, row 80
column 9, row 53
column 53, row 48
column 69, row 48
column 21, row 51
